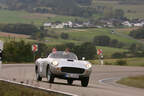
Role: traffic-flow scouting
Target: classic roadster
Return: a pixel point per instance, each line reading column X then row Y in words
column 64, row 65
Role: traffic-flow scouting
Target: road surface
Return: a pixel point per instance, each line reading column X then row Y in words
column 102, row 81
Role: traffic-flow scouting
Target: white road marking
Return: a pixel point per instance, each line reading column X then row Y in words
column 41, row 88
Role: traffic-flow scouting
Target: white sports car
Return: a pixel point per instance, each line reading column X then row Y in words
column 64, row 65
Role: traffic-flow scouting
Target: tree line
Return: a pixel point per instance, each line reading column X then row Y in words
column 138, row 33
column 104, row 40
column 27, row 29
column 81, row 8
column 20, row 51
column 63, row 7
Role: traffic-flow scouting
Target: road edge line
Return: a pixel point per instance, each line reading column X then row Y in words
column 40, row 88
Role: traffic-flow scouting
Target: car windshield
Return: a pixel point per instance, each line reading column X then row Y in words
column 63, row 55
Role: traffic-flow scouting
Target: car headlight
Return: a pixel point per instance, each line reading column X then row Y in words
column 55, row 63
column 88, row 65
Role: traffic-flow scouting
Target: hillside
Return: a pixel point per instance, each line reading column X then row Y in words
column 132, row 8
column 63, row 7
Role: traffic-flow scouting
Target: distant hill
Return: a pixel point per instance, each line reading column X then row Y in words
column 127, row 1
column 63, row 7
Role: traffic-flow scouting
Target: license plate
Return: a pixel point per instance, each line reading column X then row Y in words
column 72, row 75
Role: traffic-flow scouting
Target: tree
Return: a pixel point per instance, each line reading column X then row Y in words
column 64, row 36
column 101, row 40
column 87, row 50
column 114, row 43
column 17, row 52
column 119, row 13
column 133, row 48
column 139, row 33
column 27, row 29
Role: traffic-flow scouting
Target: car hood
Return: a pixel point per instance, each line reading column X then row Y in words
column 71, row 63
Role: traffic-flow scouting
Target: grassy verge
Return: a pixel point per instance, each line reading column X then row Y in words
column 133, row 81
column 8, row 89
column 129, row 61
column 87, row 35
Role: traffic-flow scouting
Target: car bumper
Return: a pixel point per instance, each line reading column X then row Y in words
column 56, row 71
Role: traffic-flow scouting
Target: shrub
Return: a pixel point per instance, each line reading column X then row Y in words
column 108, row 63
column 64, row 36
column 118, row 55
column 121, row 62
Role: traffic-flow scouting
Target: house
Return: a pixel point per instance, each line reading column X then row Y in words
column 127, row 23
column 138, row 24
column 57, row 26
column 47, row 24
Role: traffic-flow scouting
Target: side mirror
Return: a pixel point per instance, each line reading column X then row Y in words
column 83, row 58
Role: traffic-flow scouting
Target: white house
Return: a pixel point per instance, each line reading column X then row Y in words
column 47, row 24
column 57, row 26
column 70, row 24
column 127, row 23
column 138, row 24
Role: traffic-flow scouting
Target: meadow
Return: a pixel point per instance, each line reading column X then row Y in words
column 38, row 19
column 87, row 35
column 136, row 10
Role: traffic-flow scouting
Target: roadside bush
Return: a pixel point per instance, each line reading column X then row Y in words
column 121, row 62
column 118, row 55
column 107, row 63
column 17, row 52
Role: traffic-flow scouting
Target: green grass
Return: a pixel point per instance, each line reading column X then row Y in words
column 19, row 17
column 137, row 81
column 7, row 39
column 114, row 4
column 130, row 61
column 8, row 89
column 87, row 35
column 38, row 19
column 108, row 51
column 53, row 41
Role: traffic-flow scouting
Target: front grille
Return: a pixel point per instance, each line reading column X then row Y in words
column 72, row 70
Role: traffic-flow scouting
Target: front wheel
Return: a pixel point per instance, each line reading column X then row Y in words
column 85, row 81
column 50, row 76
column 38, row 77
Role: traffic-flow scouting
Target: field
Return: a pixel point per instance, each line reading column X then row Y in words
column 14, row 37
column 108, row 51
column 4, row 34
column 8, row 89
column 136, row 10
column 133, row 81
column 7, row 16
column 87, row 35
column 125, row 31
column 130, row 61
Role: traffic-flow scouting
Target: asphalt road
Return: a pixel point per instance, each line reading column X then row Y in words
column 102, row 81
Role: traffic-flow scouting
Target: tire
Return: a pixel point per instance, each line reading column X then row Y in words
column 69, row 81
column 85, row 81
column 50, row 76
column 38, row 78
